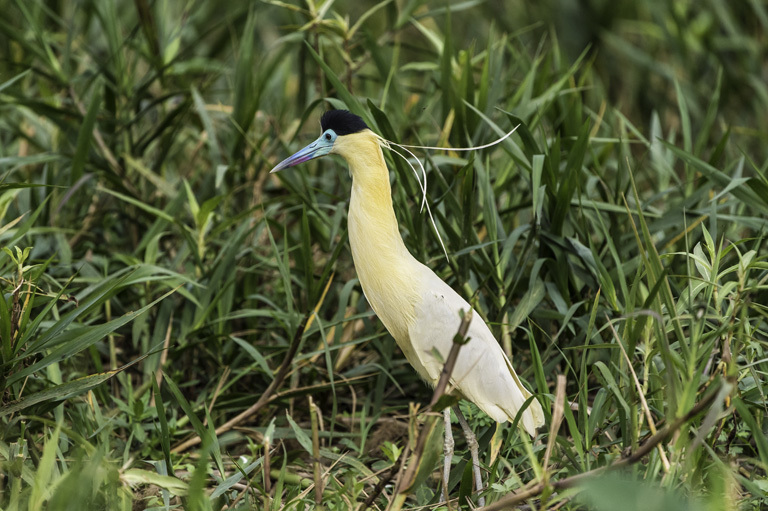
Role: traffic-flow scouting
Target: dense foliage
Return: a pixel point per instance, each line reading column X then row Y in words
column 181, row 329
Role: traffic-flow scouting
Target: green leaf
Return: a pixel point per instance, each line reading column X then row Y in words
column 210, row 130
column 610, row 382
column 235, row 478
column 209, row 441
column 84, row 139
column 755, row 431
column 743, row 193
column 528, row 303
column 254, row 353
column 137, row 476
column 42, row 487
column 73, row 342
column 351, row 102
column 165, row 436
column 301, row 436
column 60, row 392
column 5, row 328
column 141, row 205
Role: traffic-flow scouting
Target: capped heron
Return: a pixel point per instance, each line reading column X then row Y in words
column 420, row 310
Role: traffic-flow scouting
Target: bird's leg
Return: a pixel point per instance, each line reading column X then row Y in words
column 473, row 447
column 447, row 453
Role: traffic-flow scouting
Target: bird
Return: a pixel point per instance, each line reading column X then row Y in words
column 420, row 311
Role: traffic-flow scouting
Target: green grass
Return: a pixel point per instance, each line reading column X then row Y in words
column 157, row 281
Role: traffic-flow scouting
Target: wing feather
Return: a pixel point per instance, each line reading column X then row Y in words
column 483, row 373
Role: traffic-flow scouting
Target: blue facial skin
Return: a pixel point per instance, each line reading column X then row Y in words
column 316, row 149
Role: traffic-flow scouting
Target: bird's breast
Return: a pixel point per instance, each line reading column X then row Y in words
column 387, row 272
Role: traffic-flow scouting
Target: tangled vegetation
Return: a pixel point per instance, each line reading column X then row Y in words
column 179, row 329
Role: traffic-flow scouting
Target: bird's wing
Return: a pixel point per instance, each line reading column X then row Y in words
column 483, row 373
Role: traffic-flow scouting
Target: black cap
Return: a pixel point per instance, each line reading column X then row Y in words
column 342, row 122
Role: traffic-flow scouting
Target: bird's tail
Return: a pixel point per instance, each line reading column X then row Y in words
column 533, row 416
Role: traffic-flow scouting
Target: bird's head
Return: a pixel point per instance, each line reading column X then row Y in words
column 340, row 128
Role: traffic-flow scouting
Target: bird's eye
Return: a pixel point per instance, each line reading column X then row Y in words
column 327, row 136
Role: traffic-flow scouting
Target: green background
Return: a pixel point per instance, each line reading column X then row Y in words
column 622, row 225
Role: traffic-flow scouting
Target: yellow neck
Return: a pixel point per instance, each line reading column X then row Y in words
column 387, row 271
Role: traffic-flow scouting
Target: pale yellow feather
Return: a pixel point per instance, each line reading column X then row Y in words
column 416, row 307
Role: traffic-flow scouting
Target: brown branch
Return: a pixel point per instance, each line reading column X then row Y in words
column 314, row 413
column 649, row 445
column 282, row 372
column 458, row 341
column 557, row 418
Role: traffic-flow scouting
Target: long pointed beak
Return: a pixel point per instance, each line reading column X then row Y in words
column 316, row 149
